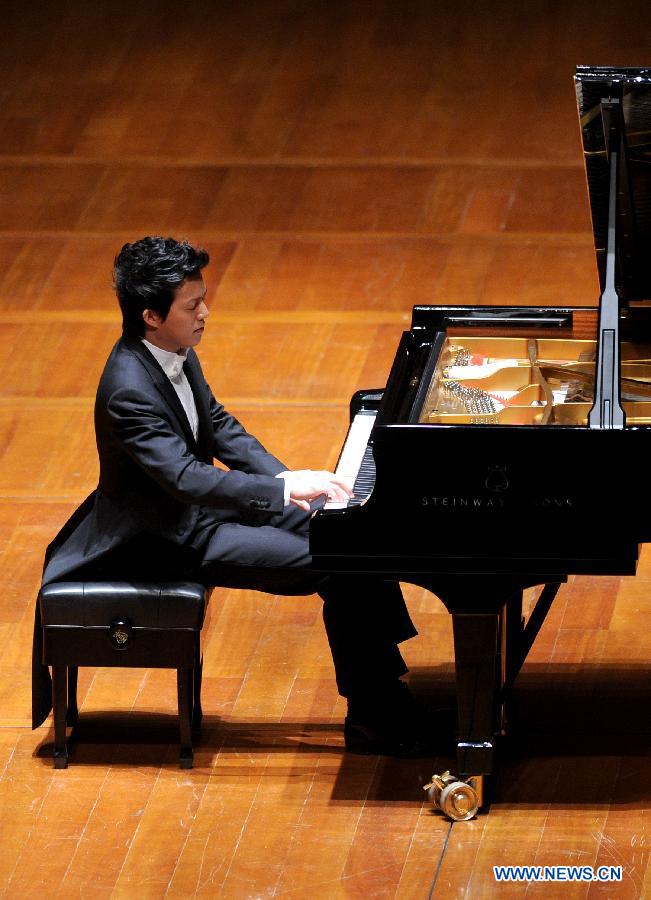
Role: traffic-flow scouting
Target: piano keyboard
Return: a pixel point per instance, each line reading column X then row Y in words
column 356, row 459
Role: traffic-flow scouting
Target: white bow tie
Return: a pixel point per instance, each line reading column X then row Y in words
column 175, row 367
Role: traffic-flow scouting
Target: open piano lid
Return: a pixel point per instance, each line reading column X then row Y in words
column 632, row 86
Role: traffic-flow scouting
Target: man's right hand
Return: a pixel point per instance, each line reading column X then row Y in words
column 306, row 484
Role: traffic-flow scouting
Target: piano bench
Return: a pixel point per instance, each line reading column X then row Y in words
column 105, row 623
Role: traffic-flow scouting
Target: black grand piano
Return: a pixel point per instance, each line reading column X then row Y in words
column 508, row 444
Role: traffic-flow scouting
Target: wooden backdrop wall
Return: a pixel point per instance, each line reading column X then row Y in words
column 341, row 161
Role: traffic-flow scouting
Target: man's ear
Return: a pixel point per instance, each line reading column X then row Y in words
column 151, row 318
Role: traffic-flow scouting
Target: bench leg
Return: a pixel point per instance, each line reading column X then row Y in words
column 60, row 707
column 72, row 716
column 184, row 681
column 197, row 712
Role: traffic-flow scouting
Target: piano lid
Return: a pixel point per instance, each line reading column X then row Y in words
column 632, row 87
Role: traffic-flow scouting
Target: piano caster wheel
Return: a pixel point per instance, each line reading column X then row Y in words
column 458, row 800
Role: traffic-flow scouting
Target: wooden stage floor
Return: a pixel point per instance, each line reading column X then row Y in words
column 341, row 161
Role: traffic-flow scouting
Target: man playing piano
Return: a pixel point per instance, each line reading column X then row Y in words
column 163, row 510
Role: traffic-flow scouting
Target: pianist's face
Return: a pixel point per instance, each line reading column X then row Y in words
column 184, row 323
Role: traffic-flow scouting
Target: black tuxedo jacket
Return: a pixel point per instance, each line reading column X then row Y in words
column 154, row 475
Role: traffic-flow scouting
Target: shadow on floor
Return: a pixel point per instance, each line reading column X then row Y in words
column 579, row 735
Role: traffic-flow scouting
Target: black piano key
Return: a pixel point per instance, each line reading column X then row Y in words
column 365, row 480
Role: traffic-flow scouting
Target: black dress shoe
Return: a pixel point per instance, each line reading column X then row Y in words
column 391, row 723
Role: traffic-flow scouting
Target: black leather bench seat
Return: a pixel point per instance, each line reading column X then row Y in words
column 123, row 624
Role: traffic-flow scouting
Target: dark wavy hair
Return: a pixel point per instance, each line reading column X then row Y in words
column 147, row 273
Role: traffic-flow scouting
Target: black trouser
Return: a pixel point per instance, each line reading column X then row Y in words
column 365, row 617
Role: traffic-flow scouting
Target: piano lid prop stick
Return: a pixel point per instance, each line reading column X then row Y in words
column 607, row 410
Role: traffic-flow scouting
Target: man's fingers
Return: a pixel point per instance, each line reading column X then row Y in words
column 307, row 485
column 341, row 481
column 302, row 504
column 346, row 484
column 337, row 493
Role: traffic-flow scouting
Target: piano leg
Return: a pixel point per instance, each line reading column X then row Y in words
column 513, row 632
column 478, row 656
column 491, row 642
column 487, row 626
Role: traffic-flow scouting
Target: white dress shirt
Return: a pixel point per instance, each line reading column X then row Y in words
column 172, row 364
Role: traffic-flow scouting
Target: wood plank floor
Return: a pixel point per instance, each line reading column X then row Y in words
column 341, row 161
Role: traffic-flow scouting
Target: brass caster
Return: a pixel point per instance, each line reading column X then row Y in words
column 458, row 800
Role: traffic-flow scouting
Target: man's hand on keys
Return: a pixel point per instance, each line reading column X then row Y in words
column 306, row 484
